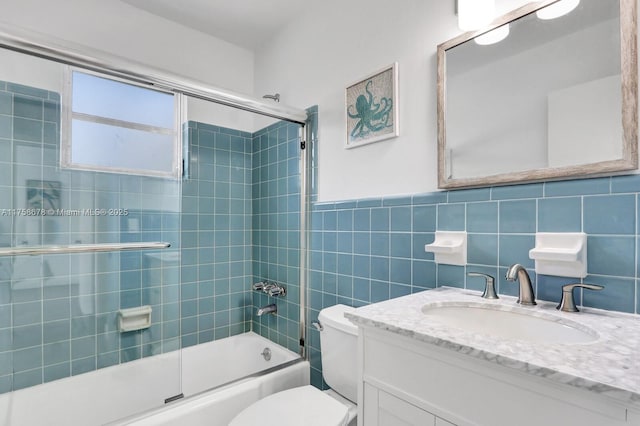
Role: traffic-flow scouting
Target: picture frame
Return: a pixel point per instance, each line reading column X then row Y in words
column 371, row 108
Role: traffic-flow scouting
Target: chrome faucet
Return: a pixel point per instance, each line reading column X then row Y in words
column 517, row 271
column 269, row 309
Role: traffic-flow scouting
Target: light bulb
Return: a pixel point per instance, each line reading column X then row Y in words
column 475, row 14
column 558, row 9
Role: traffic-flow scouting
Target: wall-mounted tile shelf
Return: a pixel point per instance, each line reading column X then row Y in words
column 449, row 247
column 132, row 319
column 560, row 254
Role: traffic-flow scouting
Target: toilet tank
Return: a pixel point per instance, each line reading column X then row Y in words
column 338, row 346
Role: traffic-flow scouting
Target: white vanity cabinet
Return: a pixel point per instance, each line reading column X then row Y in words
column 408, row 382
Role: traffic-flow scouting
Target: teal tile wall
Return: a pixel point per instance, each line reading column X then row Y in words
column 365, row 251
column 216, row 235
column 58, row 313
column 276, row 229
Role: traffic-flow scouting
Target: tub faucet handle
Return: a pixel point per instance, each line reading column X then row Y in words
column 259, row 286
column 277, row 290
column 490, row 285
column 268, row 286
column 272, row 288
column 567, row 302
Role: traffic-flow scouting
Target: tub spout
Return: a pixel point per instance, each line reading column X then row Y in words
column 269, row 309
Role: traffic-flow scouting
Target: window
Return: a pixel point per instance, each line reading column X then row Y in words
column 119, row 127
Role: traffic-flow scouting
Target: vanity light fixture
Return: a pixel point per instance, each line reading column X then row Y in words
column 475, row 14
column 555, row 10
column 493, row 36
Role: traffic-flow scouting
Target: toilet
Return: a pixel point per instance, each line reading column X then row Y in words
column 306, row 405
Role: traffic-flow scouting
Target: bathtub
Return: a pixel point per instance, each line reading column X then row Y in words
column 218, row 379
column 217, row 407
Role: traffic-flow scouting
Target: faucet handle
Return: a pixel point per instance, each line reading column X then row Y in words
column 268, row 285
column 276, row 290
column 567, row 303
column 259, row 286
column 490, row 285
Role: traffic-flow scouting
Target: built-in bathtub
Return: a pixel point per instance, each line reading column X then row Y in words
column 218, row 379
column 217, row 407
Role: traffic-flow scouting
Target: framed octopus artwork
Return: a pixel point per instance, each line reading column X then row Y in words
column 372, row 108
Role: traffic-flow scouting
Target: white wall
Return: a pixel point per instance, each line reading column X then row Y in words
column 224, row 116
column 31, row 71
column 119, row 29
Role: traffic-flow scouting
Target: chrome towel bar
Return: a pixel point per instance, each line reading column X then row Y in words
column 81, row 248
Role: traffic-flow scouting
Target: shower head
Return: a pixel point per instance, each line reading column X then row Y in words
column 275, row 97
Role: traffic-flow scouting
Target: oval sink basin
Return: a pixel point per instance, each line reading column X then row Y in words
column 510, row 324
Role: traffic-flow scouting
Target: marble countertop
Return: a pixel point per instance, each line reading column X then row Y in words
column 610, row 365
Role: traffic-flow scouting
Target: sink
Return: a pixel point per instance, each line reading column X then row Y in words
column 516, row 323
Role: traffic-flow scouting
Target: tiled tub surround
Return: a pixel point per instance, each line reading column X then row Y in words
column 276, row 229
column 216, row 233
column 607, row 366
column 371, row 250
column 240, row 225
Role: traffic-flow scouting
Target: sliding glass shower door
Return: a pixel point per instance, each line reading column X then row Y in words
column 93, row 295
column 108, row 259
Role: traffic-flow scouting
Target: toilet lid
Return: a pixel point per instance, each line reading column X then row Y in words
column 305, row 405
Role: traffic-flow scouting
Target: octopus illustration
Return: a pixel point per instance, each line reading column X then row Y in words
column 371, row 116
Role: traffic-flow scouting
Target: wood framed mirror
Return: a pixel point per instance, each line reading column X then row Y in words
column 555, row 99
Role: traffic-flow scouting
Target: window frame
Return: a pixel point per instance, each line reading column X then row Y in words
column 68, row 115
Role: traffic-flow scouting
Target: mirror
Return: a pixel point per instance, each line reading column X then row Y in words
column 555, row 99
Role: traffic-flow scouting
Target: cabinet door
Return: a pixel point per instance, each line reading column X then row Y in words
column 383, row 409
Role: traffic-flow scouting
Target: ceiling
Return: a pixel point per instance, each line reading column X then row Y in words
column 246, row 23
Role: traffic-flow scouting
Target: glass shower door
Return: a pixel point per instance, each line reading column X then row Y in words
column 232, row 221
column 60, row 313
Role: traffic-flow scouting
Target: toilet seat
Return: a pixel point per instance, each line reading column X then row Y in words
column 305, row 405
